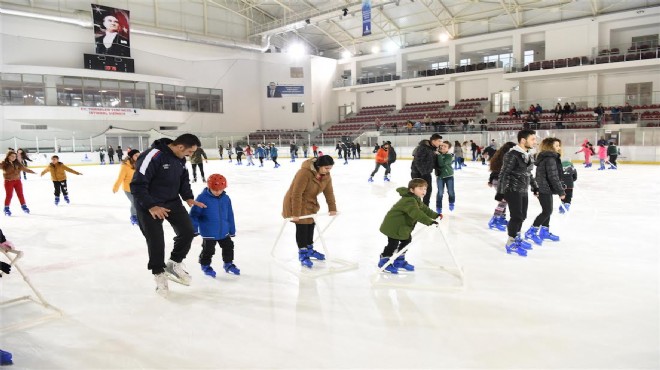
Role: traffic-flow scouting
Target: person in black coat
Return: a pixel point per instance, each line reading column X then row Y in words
column 120, row 153
column 549, row 172
column 424, row 160
column 159, row 184
column 111, row 154
column 513, row 186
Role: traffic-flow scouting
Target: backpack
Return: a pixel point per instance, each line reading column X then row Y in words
column 391, row 155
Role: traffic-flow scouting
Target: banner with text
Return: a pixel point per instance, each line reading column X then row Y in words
column 366, row 17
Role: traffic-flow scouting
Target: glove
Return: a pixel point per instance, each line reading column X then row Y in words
column 434, row 223
column 499, row 197
column 7, row 245
column 440, row 216
column 5, row 267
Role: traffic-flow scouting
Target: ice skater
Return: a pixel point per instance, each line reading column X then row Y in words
column 158, row 186
column 424, row 162
column 498, row 221
column 513, row 186
column 215, row 224
column 444, row 177
column 602, row 155
column 400, row 221
column 126, row 172
column 548, row 178
column 587, row 151
column 382, row 159
column 458, row 155
column 58, row 172
column 239, row 155
column 261, row 154
column 249, row 154
column 312, row 179
column 11, row 172
column 568, row 178
column 229, row 151
column 613, row 153
column 273, row 155
column 197, row 159
column 24, row 158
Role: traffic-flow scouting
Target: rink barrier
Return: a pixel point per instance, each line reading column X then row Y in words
column 334, row 265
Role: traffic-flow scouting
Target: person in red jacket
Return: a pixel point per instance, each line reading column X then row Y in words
column 382, row 159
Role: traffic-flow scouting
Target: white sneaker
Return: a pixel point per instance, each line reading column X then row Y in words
column 176, row 273
column 161, row 284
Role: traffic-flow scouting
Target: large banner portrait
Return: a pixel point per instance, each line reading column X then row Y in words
column 274, row 90
column 111, row 31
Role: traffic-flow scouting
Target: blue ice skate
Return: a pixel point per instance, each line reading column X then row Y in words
column 230, row 268
column 208, row 270
column 390, row 268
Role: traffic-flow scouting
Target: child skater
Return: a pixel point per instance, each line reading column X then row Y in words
column 124, row 179
column 444, row 177
column 587, row 153
column 400, row 221
column 11, row 171
column 239, row 155
column 261, row 154
column 273, row 154
column 602, row 155
column 58, row 172
column 568, row 178
column 382, row 159
column 498, row 221
column 229, row 151
column 613, row 152
column 215, row 224
column 248, row 154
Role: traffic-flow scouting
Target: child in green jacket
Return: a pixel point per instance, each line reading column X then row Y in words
column 400, row 221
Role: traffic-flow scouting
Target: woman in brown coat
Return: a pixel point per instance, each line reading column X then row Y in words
column 11, row 171
column 300, row 200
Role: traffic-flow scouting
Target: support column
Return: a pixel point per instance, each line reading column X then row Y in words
column 518, row 56
column 451, row 90
column 592, row 89
column 400, row 97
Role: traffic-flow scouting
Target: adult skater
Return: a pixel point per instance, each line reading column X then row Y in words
column 548, row 178
column 312, row 178
column 498, row 221
column 382, row 159
column 273, row 155
column 220, row 150
column 458, row 155
column 197, row 159
column 229, row 151
column 120, row 154
column 158, row 185
column 444, row 177
column 11, row 171
column 126, row 172
column 239, row 155
column 24, row 158
column 515, row 179
column 111, row 154
column 424, row 162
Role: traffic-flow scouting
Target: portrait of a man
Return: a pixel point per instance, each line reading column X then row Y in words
column 111, row 30
column 272, row 91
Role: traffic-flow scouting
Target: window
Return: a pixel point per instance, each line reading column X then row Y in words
column 298, row 107
column 297, row 72
column 528, row 57
column 439, row 65
column 464, row 62
column 216, row 101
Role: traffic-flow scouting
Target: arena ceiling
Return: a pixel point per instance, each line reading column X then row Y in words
column 330, row 27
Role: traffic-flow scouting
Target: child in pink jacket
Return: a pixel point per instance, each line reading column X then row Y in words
column 602, row 154
column 587, row 153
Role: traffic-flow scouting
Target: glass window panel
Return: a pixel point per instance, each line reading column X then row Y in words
column 33, row 78
column 11, row 77
column 109, row 84
column 140, row 95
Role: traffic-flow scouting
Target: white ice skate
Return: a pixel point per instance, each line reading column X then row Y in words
column 176, row 273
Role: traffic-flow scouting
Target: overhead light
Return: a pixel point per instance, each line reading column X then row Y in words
column 346, row 54
column 444, row 37
column 375, row 49
column 345, row 10
column 297, row 50
column 391, row 46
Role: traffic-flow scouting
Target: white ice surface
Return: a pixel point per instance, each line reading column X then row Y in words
column 589, row 301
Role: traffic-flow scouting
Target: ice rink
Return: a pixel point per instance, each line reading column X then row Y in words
column 588, row 301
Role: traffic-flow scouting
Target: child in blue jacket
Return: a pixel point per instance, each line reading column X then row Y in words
column 215, row 224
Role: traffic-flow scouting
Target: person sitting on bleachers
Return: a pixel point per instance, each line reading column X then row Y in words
column 627, row 113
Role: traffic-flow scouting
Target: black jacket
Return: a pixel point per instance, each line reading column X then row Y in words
column 424, row 158
column 548, row 173
column 516, row 173
column 160, row 177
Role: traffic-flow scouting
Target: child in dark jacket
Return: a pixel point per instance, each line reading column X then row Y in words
column 215, row 224
column 400, row 221
column 568, row 178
